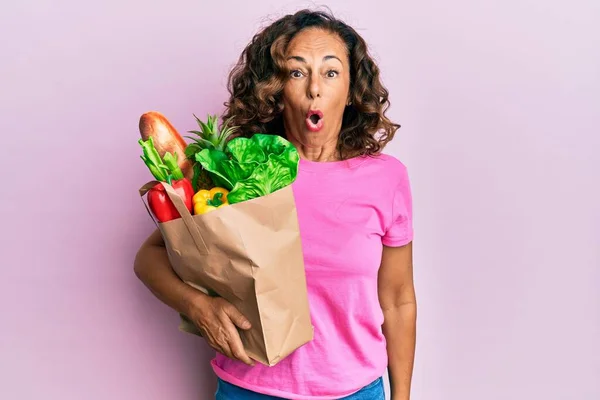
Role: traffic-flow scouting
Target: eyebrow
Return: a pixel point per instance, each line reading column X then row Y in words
column 301, row 59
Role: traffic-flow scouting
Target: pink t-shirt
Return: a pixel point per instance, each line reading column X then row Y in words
column 347, row 211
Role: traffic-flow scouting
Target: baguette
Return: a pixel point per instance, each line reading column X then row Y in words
column 166, row 139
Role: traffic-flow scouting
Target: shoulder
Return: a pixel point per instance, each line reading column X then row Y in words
column 389, row 160
column 389, row 167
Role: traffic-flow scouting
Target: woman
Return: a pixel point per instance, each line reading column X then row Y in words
column 309, row 78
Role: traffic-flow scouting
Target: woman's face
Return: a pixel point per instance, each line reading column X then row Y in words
column 316, row 92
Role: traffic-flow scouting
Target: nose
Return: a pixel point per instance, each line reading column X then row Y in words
column 314, row 87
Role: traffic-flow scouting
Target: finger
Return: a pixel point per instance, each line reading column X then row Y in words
column 237, row 317
column 217, row 338
column 223, row 348
column 236, row 346
column 237, row 349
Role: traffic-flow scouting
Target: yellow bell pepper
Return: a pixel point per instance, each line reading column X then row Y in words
column 209, row 200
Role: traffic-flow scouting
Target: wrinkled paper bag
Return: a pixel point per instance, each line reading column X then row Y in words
column 250, row 254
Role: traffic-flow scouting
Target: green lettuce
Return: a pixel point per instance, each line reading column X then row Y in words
column 251, row 167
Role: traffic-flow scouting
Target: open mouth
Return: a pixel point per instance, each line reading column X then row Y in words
column 314, row 120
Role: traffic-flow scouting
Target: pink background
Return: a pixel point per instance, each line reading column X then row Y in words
column 499, row 103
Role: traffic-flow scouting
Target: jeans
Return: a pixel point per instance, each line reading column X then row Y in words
column 227, row 391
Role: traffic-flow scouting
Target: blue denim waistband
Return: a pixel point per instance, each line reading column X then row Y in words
column 228, row 391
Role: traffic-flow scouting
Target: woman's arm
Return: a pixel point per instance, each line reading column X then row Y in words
column 152, row 267
column 399, row 305
column 215, row 317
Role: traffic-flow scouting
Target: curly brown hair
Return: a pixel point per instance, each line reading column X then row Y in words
column 256, row 84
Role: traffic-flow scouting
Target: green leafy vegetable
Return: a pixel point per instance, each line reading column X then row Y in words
column 251, row 168
column 247, row 150
column 163, row 169
column 272, row 144
column 171, row 163
column 212, row 160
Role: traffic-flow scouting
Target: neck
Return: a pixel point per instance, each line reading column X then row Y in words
column 323, row 153
column 318, row 155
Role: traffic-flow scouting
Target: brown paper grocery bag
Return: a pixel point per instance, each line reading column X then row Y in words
column 250, row 254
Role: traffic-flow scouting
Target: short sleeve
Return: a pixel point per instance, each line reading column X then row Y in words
column 399, row 230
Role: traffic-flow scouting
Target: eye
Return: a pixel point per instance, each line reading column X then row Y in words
column 332, row 73
column 296, row 73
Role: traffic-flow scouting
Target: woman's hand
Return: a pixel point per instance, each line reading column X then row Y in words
column 218, row 321
column 214, row 316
